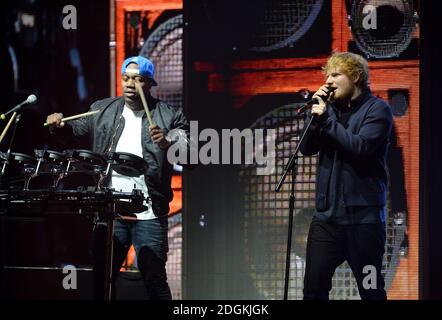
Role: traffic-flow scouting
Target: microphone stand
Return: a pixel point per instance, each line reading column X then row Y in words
column 291, row 166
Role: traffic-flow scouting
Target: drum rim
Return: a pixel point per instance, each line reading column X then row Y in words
column 34, row 159
column 95, row 156
column 138, row 164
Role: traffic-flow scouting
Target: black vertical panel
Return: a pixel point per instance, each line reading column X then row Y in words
column 214, row 266
column 431, row 152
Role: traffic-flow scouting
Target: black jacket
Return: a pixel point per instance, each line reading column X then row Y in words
column 104, row 129
column 362, row 147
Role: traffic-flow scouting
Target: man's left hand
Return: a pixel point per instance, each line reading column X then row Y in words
column 159, row 137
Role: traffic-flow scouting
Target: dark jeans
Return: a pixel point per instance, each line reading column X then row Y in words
column 149, row 238
column 328, row 245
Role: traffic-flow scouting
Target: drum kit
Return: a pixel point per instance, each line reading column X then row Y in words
column 71, row 178
column 24, row 198
column 23, row 193
column 19, row 167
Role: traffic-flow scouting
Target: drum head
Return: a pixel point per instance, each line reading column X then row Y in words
column 22, row 160
column 17, row 166
column 51, row 160
column 55, row 157
column 87, row 161
column 128, row 164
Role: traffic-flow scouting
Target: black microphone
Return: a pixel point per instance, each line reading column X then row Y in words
column 313, row 101
column 31, row 99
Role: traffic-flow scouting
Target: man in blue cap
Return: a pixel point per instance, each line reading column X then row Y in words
column 121, row 125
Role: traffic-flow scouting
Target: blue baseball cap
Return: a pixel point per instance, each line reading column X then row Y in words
column 146, row 67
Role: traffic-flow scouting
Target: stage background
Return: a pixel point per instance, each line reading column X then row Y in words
column 244, row 65
column 248, row 64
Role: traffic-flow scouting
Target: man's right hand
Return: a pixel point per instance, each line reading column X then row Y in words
column 54, row 120
column 321, row 94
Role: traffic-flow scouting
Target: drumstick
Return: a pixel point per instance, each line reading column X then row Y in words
column 81, row 115
column 143, row 100
column 7, row 126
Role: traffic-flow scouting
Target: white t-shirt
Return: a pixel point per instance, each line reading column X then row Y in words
column 130, row 142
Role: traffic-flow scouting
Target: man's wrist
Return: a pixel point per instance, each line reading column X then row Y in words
column 165, row 143
column 323, row 117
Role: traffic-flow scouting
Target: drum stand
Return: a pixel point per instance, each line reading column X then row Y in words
column 103, row 253
column 31, row 202
column 101, row 205
column 51, row 201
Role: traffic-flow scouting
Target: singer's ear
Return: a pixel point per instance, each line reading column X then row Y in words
column 356, row 79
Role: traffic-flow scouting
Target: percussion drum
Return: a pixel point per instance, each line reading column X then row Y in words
column 88, row 161
column 52, row 162
column 21, row 159
column 88, row 167
column 20, row 166
column 51, row 157
column 128, row 164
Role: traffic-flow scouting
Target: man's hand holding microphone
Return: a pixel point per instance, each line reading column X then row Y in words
column 321, row 97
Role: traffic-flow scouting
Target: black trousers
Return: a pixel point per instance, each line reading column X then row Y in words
column 328, row 246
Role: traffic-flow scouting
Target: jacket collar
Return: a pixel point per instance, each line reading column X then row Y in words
column 151, row 103
column 355, row 104
column 361, row 99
